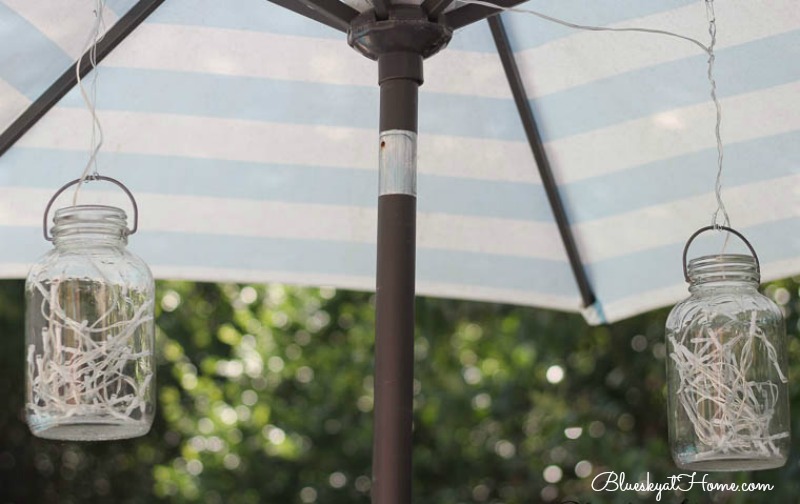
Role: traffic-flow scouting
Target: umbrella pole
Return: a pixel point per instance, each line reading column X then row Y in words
column 399, row 41
column 400, row 77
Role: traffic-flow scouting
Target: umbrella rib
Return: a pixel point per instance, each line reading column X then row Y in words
column 540, row 155
column 435, row 7
column 463, row 16
column 381, row 8
column 332, row 13
column 126, row 24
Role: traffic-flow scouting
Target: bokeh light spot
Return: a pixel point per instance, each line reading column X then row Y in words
column 194, row 467
column 639, row 343
column 308, row 495
column 583, row 469
column 337, row 480
column 552, row 474
column 555, row 374
column 248, row 295
column 170, row 301
column 505, row 449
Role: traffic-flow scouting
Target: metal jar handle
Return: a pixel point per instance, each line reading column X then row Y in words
column 87, row 179
column 720, row 228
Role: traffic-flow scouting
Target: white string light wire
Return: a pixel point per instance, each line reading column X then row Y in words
column 84, row 369
column 730, row 413
column 712, row 31
column 708, row 49
column 90, row 98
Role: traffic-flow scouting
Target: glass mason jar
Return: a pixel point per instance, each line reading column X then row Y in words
column 728, row 403
column 90, row 331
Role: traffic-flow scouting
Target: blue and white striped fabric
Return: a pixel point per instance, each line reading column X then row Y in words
column 248, row 135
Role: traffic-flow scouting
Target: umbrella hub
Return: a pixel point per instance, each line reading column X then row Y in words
column 406, row 30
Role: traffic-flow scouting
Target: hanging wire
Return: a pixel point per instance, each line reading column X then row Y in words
column 708, row 49
column 696, row 42
column 90, row 98
column 712, row 31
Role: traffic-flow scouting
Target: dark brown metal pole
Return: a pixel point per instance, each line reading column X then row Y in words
column 399, row 43
column 400, row 77
column 394, row 350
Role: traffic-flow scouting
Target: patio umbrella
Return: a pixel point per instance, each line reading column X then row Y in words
column 556, row 168
column 259, row 126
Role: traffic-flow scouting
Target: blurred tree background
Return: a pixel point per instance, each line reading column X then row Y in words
column 265, row 395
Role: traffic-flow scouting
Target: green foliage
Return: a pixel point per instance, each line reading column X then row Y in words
column 265, row 395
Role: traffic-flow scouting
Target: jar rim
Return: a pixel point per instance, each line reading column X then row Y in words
column 722, row 258
column 95, row 220
column 79, row 211
column 723, row 267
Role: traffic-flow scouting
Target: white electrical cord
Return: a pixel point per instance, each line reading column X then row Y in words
column 95, row 36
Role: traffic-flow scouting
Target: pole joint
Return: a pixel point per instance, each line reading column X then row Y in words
column 406, row 30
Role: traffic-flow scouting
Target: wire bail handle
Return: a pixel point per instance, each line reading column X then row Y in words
column 719, row 228
column 89, row 178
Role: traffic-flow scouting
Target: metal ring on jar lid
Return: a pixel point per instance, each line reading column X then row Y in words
column 87, row 179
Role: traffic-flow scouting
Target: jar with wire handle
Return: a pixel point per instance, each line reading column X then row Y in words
column 728, row 403
column 90, row 330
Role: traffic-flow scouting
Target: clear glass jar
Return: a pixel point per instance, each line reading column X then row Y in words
column 728, row 403
column 90, row 332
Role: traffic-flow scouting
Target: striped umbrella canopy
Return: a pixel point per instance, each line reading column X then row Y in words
column 248, row 134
